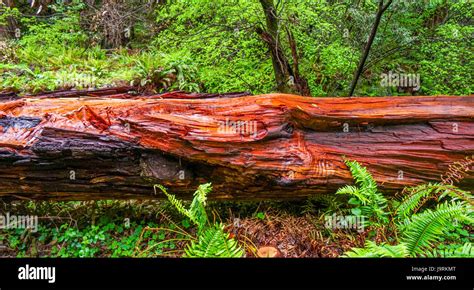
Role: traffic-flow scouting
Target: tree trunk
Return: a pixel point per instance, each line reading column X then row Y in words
column 91, row 145
column 360, row 67
column 287, row 78
column 8, row 28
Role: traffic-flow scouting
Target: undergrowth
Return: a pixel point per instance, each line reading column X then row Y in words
column 430, row 220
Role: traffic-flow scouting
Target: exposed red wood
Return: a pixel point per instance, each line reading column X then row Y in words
column 288, row 146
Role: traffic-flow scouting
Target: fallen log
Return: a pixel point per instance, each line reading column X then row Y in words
column 99, row 146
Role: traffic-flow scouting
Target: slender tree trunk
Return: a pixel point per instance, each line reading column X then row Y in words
column 288, row 80
column 8, row 29
column 381, row 9
column 300, row 83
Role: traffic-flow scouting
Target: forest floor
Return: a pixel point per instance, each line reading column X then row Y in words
column 153, row 228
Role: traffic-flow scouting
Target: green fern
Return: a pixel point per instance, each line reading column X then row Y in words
column 421, row 230
column 418, row 231
column 362, row 177
column 196, row 212
column 372, row 250
column 214, row 242
column 353, row 190
column 416, row 197
column 197, row 209
column 462, row 251
column 175, row 202
column 373, row 203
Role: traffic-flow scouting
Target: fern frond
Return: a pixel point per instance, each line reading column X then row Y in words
column 197, row 209
column 354, row 191
column 372, row 250
column 178, row 204
column 462, row 251
column 362, row 177
column 457, row 194
column 367, row 192
column 214, row 242
column 416, row 196
column 421, row 230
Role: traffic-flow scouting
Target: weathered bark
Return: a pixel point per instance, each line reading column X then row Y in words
column 70, row 147
column 288, row 79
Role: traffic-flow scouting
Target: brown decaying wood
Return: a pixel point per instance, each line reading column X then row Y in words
column 78, row 147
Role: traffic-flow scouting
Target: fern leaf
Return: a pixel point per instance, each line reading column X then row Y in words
column 197, row 208
column 214, row 242
column 374, row 202
column 418, row 194
column 362, row 177
column 178, row 204
column 412, row 201
column 372, row 250
column 352, row 190
column 462, row 251
column 421, row 230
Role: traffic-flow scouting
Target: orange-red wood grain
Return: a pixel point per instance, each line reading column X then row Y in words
column 284, row 145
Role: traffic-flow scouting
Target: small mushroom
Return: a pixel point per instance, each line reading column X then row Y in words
column 267, row 252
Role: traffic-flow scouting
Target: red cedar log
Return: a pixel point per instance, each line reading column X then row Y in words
column 109, row 144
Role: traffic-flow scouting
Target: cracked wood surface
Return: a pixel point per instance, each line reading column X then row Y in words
column 109, row 144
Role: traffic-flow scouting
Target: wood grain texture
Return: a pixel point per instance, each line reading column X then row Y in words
column 117, row 145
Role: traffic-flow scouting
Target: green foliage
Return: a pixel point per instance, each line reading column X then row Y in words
column 372, row 250
column 369, row 202
column 212, row 240
column 458, row 251
column 219, row 37
column 197, row 211
column 212, row 46
column 85, row 229
column 52, row 45
column 260, row 215
column 80, row 243
column 7, row 13
column 418, row 233
column 422, row 230
column 419, row 195
column 450, row 61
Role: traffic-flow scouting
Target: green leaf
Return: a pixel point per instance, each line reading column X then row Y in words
column 214, row 243
column 422, row 230
column 261, row 215
column 356, row 211
column 354, row 201
column 185, row 223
